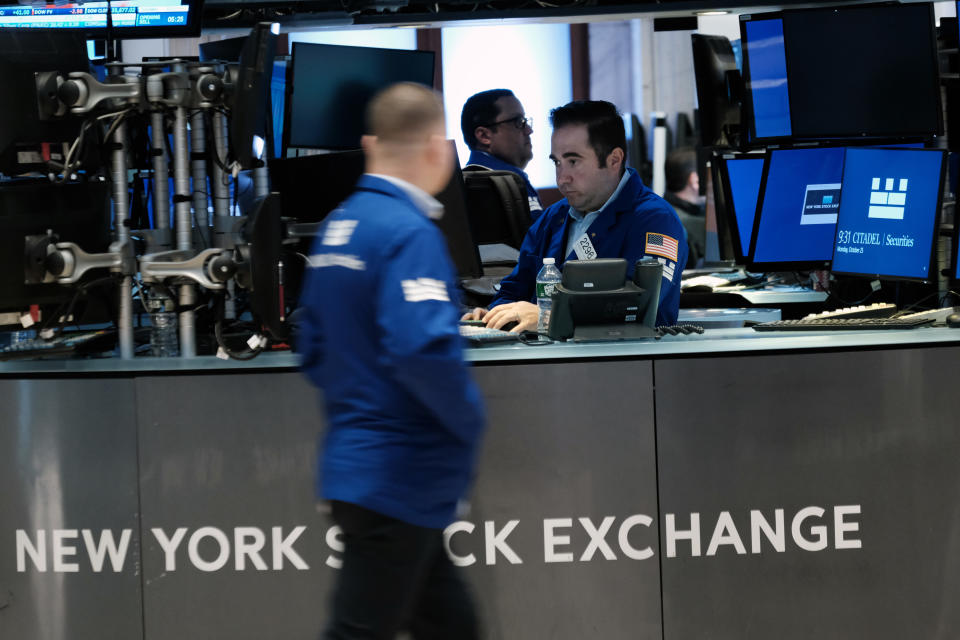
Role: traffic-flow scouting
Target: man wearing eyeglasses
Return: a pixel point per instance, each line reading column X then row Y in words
column 498, row 133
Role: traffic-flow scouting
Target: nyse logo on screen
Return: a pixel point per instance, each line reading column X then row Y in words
column 886, row 201
column 821, row 202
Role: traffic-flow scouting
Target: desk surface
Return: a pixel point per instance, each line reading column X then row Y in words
column 714, row 342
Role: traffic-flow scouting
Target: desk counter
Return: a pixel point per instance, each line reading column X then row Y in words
column 731, row 485
column 712, row 343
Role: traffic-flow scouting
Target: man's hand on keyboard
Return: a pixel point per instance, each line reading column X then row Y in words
column 524, row 314
column 472, row 316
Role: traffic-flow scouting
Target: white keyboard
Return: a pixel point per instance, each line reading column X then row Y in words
column 875, row 310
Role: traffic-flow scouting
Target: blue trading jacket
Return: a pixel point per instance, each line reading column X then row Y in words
column 380, row 336
column 484, row 159
column 620, row 231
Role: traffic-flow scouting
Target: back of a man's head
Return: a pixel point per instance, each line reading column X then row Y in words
column 405, row 113
column 405, row 136
column 480, row 109
column 604, row 124
column 679, row 165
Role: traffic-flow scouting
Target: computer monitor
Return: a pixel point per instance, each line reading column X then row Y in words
column 889, row 212
column 28, row 142
column 766, row 103
column 740, row 177
column 130, row 18
column 842, row 72
column 297, row 180
column 75, row 212
column 718, row 90
column 797, row 209
column 331, row 84
column 250, row 96
column 228, row 50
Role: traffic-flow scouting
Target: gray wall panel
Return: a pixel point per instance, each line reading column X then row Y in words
column 229, row 451
column 238, row 450
column 567, row 441
column 68, row 463
column 875, row 429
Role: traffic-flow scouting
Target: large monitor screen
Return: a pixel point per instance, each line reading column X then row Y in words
column 848, row 72
column 744, row 175
column 331, row 85
column 797, row 215
column 889, row 209
column 131, row 18
column 768, row 96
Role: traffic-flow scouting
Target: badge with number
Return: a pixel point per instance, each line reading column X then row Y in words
column 584, row 248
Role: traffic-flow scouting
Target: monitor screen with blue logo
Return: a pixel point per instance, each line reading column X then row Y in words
column 890, row 206
column 766, row 69
column 797, row 214
column 744, row 175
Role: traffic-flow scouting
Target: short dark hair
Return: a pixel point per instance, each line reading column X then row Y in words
column 479, row 110
column 679, row 165
column 604, row 125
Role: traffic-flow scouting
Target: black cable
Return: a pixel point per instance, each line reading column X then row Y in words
column 249, row 354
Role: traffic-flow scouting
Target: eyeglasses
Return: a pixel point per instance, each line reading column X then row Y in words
column 520, row 122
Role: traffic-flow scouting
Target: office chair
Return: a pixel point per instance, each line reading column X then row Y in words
column 497, row 206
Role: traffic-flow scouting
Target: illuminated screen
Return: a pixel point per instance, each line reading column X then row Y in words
column 152, row 16
column 889, row 206
column 745, row 175
column 768, row 91
column 798, row 210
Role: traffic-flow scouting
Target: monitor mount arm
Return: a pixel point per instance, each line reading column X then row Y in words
column 47, row 260
column 211, row 268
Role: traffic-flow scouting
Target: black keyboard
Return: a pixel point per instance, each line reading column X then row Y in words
column 842, row 324
column 67, row 343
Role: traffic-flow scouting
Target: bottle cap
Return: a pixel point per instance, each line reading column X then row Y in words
column 549, row 260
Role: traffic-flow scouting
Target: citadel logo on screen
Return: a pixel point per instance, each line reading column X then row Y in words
column 885, row 202
column 820, row 204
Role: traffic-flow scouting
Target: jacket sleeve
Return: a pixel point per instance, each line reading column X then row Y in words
column 664, row 222
column 520, row 284
column 308, row 332
column 418, row 321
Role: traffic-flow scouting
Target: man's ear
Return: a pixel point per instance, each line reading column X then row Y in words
column 368, row 143
column 482, row 134
column 616, row 158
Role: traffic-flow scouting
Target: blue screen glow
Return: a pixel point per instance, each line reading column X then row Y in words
column 798, row 212
column 769, row 92
column 745, row 175
column 888, row 209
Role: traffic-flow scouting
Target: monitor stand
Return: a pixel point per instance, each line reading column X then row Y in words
column 612, row 332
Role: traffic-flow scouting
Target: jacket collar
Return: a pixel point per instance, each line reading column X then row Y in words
column 620, row 202
column 389, row 185
column 484, row 159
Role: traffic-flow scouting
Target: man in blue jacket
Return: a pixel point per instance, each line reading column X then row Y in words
column 380, row 336
column 498, row 133
column 607, row 212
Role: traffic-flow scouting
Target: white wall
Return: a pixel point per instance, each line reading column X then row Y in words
column 533, row 61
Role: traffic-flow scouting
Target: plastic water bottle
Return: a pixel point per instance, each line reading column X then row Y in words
column 164, row 342
column 547, row 280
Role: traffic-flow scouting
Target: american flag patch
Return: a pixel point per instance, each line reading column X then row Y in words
column 661, row 245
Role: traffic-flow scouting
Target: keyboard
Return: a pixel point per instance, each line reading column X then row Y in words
column 485, row 335
column 842, row 324
column 67, row 343
column 875, row 310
